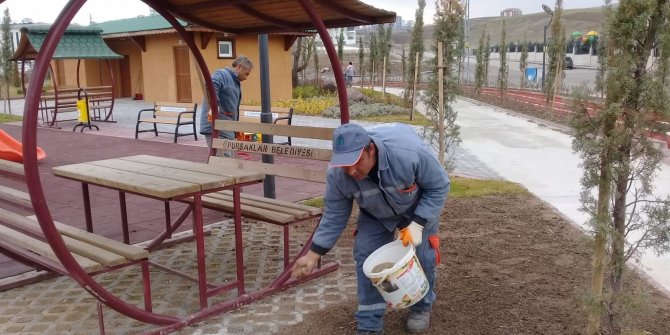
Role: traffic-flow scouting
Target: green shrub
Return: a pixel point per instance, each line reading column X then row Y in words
column 310, row 91
column 313, row 106
column 390, row 99
column 363, row 110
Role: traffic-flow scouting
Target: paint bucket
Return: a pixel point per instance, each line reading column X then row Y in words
column 397, row 274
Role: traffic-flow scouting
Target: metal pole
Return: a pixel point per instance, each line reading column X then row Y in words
column 266, row 111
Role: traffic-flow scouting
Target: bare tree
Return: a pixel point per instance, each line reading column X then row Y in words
column 302, row 52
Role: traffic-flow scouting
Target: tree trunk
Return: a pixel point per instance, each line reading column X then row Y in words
column 440, row 112
column 600, row 238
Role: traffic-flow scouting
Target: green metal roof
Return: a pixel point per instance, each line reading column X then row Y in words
column 77, row 43
column 135, row 24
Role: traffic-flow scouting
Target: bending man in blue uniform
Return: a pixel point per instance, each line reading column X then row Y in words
column 226, row 84
column 399, row 185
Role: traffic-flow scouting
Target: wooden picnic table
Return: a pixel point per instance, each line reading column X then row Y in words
column 167, row 179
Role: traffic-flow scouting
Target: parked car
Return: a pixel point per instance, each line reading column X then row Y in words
column 568, row 63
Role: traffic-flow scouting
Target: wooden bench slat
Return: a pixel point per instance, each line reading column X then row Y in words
column 240, row 176
column 145, row 184
column 174, row 114
column 40, row 248
column 15, row 196
column 247, row 211
column 186, row 105
column 128, row 251
column 277, row 207
column 93, row 253
column 273, row 109
column 311, row 210
column 275, row 129
column 12, row 167
column 204, row 179
column 273, row 149
column 288, row 171
column 160, row 121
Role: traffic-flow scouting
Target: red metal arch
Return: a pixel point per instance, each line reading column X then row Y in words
column 29, row 137
column 35, row 186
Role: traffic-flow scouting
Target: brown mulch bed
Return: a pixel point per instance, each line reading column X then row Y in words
column 511, row 264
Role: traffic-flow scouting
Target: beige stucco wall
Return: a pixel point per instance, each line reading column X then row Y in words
column 128, row 48
column 155, row 68
column 158, row 81
column 280, row 63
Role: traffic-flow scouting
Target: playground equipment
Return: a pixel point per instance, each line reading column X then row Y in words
column 12, row 150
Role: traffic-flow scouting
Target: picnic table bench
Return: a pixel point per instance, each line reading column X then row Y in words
column 22, row 239
column 168, row 113
column 274, row 211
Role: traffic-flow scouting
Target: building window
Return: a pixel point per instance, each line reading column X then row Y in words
column 226, row 49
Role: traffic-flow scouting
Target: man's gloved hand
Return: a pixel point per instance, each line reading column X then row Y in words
column 411, row 234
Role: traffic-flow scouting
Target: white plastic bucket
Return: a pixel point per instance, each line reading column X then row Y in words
column 397, row 274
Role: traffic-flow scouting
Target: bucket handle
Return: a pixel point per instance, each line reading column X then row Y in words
column 381, row 281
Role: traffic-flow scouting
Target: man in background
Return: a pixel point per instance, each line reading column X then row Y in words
column 349, row 74
column 226, row 83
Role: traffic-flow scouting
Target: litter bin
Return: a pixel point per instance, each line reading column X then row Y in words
column 531, row 74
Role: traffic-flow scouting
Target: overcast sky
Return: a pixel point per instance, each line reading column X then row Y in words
column 104, row 10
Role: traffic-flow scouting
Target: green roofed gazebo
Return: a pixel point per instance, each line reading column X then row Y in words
column 78, row 42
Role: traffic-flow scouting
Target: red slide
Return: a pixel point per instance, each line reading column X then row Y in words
column 12, row 150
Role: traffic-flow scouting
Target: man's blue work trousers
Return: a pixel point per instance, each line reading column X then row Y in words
column 370, row 236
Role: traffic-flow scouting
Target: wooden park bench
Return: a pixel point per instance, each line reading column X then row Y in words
column 21, row 239
column 168, row 113
column 64, row 100
column 280, row 115
column 274, row 211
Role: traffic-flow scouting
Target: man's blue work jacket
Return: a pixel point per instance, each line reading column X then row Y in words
column 412, row 186
column 228, row 94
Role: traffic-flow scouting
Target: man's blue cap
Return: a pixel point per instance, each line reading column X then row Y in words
column 348, row 142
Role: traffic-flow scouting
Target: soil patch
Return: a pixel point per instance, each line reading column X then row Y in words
column 511, row 264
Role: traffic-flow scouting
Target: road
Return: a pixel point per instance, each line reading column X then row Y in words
column 583, row 73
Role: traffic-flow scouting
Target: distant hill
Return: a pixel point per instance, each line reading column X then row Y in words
column 528, row 27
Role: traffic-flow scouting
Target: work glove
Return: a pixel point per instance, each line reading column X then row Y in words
column 411, row 234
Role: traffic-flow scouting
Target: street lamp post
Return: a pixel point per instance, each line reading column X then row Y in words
column 544, row 45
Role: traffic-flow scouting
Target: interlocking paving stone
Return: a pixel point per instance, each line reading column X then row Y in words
column 61, row 306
